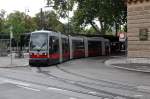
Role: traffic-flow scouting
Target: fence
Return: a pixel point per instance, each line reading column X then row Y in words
column 4, row 47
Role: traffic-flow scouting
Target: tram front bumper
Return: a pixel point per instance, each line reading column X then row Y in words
column 38, row 61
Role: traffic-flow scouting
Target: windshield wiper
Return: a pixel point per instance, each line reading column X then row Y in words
column 41, row 47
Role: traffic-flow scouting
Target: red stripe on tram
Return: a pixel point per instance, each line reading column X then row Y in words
column 32, row 55
column 66, row 55
column 54, row 56
column 79, row 53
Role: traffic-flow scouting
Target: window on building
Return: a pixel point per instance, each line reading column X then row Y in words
column 143, row 34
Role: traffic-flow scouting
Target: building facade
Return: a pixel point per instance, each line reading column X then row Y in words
column 138, row 28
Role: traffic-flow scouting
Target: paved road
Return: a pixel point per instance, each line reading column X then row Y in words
column 77, row 79
column 30, row 87
column 17, row 91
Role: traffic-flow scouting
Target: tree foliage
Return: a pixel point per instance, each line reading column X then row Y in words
column 16, row 21
column 2, row 20
column 20, row 23
column 106, row 12
column 49, row 21
column 23, row 23
column 61, row 6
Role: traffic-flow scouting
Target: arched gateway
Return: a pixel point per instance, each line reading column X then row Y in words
column 138, row 28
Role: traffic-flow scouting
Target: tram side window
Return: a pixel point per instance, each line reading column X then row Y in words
column 65, row 44
column 94, row 44
column 78, row 44
column 54, row 44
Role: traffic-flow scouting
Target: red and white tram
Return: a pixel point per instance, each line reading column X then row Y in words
column 48, row 47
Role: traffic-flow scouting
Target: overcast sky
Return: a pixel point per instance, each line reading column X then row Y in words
column 33, row 5
column 22, row 5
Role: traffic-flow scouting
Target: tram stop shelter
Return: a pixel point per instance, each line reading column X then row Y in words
column 138, row 28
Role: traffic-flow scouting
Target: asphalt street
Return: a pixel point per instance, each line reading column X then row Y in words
column 87, row 78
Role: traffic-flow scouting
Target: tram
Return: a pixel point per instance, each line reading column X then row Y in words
column 49, row 47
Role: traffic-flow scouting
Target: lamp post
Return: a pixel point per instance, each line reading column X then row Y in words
column 26, row 14
column 11, row 36
column 46, row 17
column 68, row 18
column 41, row 19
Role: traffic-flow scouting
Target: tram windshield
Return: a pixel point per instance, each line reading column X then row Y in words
column 39, row 42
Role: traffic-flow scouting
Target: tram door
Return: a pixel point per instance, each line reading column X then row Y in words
column 53, row 50
column 78, row 48
column 65, row 49
column 94, row 48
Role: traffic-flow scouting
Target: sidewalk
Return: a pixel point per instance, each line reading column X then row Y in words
column 5, row 62
column 132, row 64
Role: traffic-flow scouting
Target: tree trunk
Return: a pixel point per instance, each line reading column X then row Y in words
column 102, row 24
column 116, row 26
column 103, row 28
column 97, row 30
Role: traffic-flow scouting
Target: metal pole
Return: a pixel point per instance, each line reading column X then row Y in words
column 10, row 44
column 68, row 19
column 41, row 15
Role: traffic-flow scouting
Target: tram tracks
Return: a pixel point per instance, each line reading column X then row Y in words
column 81, row 84
column 104, row 83
column 25, row 83
column 99, row 81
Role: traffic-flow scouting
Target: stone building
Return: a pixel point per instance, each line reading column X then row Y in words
column 138, row 28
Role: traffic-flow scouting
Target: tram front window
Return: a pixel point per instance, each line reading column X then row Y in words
column 39, row 42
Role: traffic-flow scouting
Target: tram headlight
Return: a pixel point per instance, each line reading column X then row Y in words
column 44, row 54
column 31, row 54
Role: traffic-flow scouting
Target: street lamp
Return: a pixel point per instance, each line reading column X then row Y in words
column 62, row 2
column 26, row 14
column 26, row 11
column 41, row 18
column 46, row 17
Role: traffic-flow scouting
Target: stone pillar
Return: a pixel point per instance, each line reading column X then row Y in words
column 138, row 28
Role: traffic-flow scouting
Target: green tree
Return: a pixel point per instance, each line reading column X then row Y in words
column 107, row 12
column 2, row 20
column 50, row 21
column 17, row 22
column 21, row 23
column 29, row 24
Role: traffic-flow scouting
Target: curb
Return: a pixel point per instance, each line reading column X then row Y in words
column 109, row 64
column 130, row 69
column 13, row 66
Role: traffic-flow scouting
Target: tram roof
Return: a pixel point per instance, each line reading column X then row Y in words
column 95, row 38
column 42, row 31
column 46, row 31
column 52, row 33
column 77, row 38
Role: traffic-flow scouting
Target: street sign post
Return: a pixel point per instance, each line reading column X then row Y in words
column 122, row 37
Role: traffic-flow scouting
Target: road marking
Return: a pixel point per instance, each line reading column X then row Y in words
column 29, row 88
column 2, row 82
column 93, row 92
column 72, row 98
column 138, row 96
column 16, row 82
column 118, row 97
column 144, row 88
column 56, row 89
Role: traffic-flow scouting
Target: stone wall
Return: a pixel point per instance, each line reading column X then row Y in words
column 138, row 18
